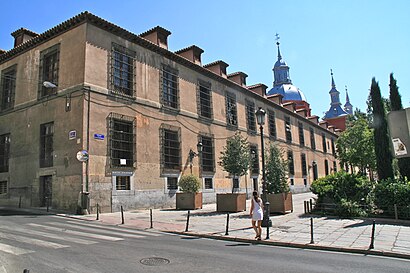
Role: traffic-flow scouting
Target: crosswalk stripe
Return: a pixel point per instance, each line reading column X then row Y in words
column 24, row 239
column 94, row 230
column 73, row 232
column 50, row 235
column 14, row 250
column 122, row 230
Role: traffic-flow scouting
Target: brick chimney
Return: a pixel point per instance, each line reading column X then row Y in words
column 323, row 124
column 157, row 35
column 22, row 35
column 259, row 89
column 192, row 53
column 314, row 119
column 276, row 98
column 238, row 77
column 290, row 106
column 302, row 111
column 218, row 67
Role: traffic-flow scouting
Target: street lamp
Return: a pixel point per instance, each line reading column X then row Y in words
column 192, row 154
column 260, row 118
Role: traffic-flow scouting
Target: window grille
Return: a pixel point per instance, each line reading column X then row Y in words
column 272, row 124
column 123, row 183
column 4, row 153
column 288, row 131
column 170, row 149
column 250, row 117
column 8, row 88
column 312, row 139
column 303, row 161
column 207, row 156
column 326, row 167
column 254, row 159
column 209, row 184
column 122, row 71
column 324, row 143
column 46, row 144
column 301, row 134
column 3, row 187
column 291, row 163
column 205, row 100
column 172, row 183
column 121, row 141
column 231, row 112
column 333, row 147
column 49, row 69
column 169, row 95
column 235, row 183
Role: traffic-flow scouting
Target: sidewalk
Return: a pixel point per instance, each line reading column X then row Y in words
column 293, row 229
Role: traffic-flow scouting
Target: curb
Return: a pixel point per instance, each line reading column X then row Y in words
column 295, row 245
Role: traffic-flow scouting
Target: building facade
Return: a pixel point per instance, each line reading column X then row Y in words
column 88, row 89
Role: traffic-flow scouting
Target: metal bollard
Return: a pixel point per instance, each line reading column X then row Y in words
column 227, row 224
column 310, row 206
column 98, row 213
column 122, row 216
column 20, row 202
column 396, row 215
column 150, row 218
column 26, row 271
column 305, row 206
column 372, row 238
column 311, row 231
column 267, row 204
column 48, row 204
column 187, row 221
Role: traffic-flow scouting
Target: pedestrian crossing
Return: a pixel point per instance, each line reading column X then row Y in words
column 25, row 239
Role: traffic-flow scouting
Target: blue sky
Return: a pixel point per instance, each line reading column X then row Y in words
column 358, row 39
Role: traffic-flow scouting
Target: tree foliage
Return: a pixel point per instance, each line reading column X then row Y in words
column 235, row 157
column 381, row 136
column 276, row 170
column 355, row 145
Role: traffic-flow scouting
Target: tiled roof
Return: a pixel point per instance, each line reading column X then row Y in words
column 157, row 28
column 194, row 47
column 216, row 62
column 17, row 32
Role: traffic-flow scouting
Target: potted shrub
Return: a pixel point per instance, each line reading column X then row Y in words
column 189, row 197
column 235, row 159
column 279, row 195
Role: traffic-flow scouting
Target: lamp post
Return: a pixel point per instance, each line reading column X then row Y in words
column 192, row 154
column 260, row 118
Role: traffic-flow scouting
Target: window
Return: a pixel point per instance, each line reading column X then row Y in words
column 324, row 143
column 235, row 183
column 303, row 162
column 288, row 131
column 254, row 160
column 121, row 141
column 291, row 164
column 305, row 182
column 301, row 135
column 123, row 183
column 169, row 95
column 208, row 183
column 205, row 100
column 3, row 187
column 334, row 166
column 171, row 149
column 231, row 114
column 312, row 139
column 292, row 182
column 172, row 183
column 8, row 88
column 326, row 167
column 207, row 156
column 46, row 144
column 49, row 66
column 333, row 147
column 272, row 124
column 122, row 71
column 4, row 153
column 250, row 117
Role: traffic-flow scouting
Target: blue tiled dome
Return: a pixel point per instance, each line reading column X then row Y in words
column 288, row 91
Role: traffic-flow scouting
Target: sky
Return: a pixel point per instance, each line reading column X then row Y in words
column 357, row 39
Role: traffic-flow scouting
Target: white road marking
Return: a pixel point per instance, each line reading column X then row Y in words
column 73, row 232
column 24, row 239
column 14, row 250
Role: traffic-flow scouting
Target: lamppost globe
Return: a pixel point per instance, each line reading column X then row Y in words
column 260, row 116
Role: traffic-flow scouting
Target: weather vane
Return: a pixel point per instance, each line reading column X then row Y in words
column 277, row 38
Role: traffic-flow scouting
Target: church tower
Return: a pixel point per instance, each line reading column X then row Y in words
column 335, row 116
column 348, row 107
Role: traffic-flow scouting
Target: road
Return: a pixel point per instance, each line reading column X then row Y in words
column 54, row 244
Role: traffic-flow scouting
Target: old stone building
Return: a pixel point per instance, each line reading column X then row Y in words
column 89, row 89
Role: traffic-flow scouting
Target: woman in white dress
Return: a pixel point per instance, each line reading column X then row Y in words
column 257, row 214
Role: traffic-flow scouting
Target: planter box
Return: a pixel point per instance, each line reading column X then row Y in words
column 280, row 202
column 230, row 202
column 188, row 200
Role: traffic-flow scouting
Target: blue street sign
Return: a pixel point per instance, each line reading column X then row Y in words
column 99, row 136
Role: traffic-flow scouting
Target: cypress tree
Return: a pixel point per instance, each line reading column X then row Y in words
column 381, row 136
column 395, row 102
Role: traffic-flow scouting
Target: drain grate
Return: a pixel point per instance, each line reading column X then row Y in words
column 154, row 261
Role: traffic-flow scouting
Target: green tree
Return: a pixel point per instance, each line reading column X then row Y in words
column 276, row 170
column 235, row 157
column 355, row 145
column 381, row 136
column 395, row 102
